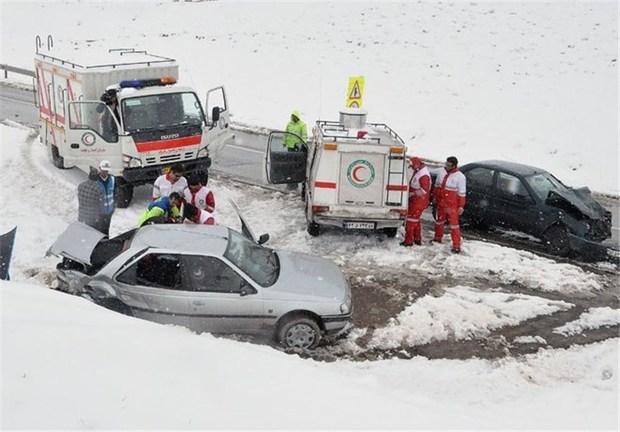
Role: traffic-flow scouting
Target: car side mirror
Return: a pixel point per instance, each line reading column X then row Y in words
column 264, row 238
column 246, row 290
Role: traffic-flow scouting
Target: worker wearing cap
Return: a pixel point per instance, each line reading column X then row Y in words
column 450, row 192
column 297, row 127
column 105, row 181
column 419, row 195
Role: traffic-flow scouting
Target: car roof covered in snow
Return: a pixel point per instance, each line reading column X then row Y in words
column 211, row 239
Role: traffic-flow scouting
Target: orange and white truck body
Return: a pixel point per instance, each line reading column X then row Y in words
column 156, row 123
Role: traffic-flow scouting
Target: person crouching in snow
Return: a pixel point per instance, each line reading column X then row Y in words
column 162, row 210
column 419, row 196
column 198, row 195
column 193, row 214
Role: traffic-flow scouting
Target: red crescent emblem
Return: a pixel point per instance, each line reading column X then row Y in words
column 354, row 173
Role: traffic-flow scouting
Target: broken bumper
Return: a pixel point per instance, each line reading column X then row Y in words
column 593, row 250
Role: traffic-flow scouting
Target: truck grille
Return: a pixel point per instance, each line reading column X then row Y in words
column 166, row 159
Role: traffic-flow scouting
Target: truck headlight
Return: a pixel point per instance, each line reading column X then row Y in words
column 131, row 162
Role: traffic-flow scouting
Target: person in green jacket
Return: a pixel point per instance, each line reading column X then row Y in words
column 161, row 210
column 298, row 127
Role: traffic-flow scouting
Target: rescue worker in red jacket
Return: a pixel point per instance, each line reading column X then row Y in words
column 193, row 214
column 198, row 195
column 419, row 197
column 450, row 191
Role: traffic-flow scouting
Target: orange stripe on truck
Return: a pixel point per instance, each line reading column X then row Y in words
column 325, row 185
column 168, row 144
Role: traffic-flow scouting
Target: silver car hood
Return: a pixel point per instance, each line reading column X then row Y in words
column 310, row 275
column 77, row 243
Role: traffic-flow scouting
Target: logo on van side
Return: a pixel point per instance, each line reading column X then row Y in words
column 88, row 139
column 361, row 173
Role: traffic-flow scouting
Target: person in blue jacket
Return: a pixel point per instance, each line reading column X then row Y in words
column 161, row 210
column 106, row 183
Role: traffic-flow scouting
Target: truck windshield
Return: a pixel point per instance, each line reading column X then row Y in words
column 161, row 111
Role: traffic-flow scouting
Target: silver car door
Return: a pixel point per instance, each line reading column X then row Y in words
column 222, row 300
column 151, row 287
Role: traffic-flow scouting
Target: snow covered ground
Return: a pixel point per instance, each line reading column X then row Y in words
column 442, row 72
column 79, row 366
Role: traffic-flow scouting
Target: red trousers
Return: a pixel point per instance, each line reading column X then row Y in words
column 413, row 227
column 452, row 215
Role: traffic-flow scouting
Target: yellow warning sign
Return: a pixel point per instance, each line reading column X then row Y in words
column 355, row 93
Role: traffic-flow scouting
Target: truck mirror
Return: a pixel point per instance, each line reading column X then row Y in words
column 215, row 114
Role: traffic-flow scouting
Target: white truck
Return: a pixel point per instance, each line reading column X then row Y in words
column 156, row 123
column 353, row 173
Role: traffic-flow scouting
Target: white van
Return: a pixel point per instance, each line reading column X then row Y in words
column 353, row 174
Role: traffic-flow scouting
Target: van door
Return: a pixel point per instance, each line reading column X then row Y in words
column 361, row 179
column 218, row 121
column 284, row 166
column 91, row 133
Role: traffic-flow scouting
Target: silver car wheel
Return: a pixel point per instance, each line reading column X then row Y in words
column 300, row 333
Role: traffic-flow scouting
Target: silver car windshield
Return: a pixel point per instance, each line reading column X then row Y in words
column 259, row 263
column 544, row 183
column 161, row 111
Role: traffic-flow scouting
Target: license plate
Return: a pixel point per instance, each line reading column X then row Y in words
column 358, row 225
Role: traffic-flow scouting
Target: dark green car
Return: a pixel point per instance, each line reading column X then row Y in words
column 531, row 200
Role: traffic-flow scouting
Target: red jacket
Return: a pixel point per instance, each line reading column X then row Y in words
column 203, row 198
column 450, row 189
column 420, row 186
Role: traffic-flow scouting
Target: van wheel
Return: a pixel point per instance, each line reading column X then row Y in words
column 314, row 229
column 123, row 193
column 556, row 240
column 390, row 232
column 57, row 160
column 299, row 332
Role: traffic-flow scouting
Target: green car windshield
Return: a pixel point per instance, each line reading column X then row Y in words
column 259, row 263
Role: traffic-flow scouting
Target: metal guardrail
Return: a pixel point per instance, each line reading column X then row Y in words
column 7, row 68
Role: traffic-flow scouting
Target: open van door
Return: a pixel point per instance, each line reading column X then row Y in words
column 284, row 166
column 218, row 121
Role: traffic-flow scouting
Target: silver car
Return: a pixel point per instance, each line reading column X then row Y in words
column 208, row 278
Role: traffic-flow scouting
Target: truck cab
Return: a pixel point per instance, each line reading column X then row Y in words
column 353, row 174
column 150, row 129
column 152, row 124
